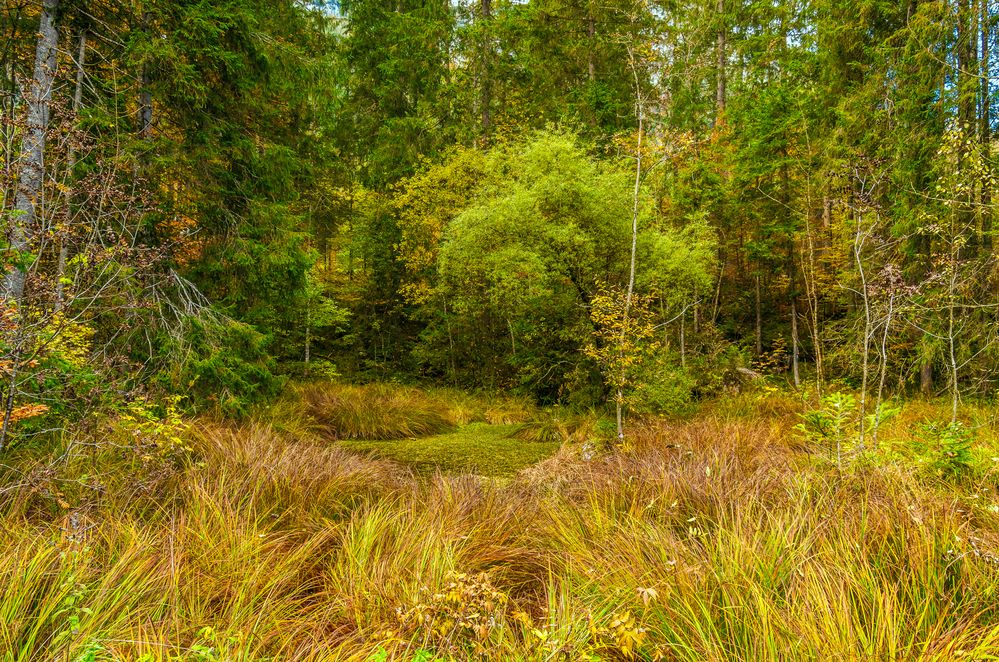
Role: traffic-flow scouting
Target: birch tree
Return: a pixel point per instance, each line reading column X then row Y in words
column 29, row 200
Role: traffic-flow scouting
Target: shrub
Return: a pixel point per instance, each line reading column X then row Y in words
column 945, row 448
column 831, row 425
column 220, row 364
column 663, row 387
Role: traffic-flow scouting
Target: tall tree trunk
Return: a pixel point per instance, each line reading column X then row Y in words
column 967, row 67
column 591, row 35
column 10, row 108
column 860, row 237
column 759, row 319
column 721, row 60
column 307, row 359
column 795, row 346
column 696, row 312
column 985, row 132
column 810, row 277
column 926, row 377
column 952, row 294
column 635, row 209
column 967, row 104
column 28, row 199
column 485, row 85
column 70, row 166
column 683, row 338
column 145, row 118
column 884, row 368
column 591, row 64
column 716, row 302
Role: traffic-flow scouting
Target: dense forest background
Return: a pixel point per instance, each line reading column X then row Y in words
column 642, row 202
column 535, row 330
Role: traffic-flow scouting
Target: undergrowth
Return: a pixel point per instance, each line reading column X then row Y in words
column 721, row 537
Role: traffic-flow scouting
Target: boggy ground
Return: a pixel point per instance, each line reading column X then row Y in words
column 720, row 537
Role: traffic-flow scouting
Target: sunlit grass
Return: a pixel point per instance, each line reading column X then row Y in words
column 716, row 538
column 478, row 448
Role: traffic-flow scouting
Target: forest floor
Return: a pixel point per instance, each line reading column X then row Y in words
column 476, row 448
column 725, row 535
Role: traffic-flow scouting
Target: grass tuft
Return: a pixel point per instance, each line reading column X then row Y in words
column 375, row 411
column 714, row 538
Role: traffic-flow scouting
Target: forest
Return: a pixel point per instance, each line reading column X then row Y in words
column 442, row 330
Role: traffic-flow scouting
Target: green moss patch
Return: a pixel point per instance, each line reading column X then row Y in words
column 480, row 448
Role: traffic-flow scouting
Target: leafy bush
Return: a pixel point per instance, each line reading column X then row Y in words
column 832, row 424
column 460, row 618
column 835, row 424
column 945, row 448
column 154, row 432
column 663, row 387
column 56, row 383
column 220, row 364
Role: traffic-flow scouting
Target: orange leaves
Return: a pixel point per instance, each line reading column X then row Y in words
column 27, row 411
column 179, row 232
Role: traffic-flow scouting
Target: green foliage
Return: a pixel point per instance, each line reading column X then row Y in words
column 663, row 387
column 946, row 448
column 832, row 425
column 57, row 382
column 159, row 430
column 220, row 365
column 397, row 107
column 506, row 266
column 516, row 265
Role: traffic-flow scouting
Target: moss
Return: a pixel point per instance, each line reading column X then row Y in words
column 488, row 450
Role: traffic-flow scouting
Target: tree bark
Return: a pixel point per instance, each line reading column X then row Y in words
column 591, row 65
column 591, row 34
column 308, row 339
column 720, row 46
column 683, row 339
column 860, row 236
column 810, row 277
column 985, row 130
column 884, row 368
column 28, row 199
column 759, row 319
column 795, row 345
column 485, row 88
column 635, row 209
column 145, row 94
column 967, row 74
column 926, row 377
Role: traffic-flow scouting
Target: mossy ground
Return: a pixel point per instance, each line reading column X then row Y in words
column 479, row 448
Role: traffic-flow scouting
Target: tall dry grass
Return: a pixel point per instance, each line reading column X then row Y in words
column 718, row 538
column 393, row 411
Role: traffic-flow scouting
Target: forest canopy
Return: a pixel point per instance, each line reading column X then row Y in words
column 214, row 198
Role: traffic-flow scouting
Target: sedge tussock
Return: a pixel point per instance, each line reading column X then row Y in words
column 714, row 538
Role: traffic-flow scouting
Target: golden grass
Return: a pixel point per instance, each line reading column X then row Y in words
column 393, row 411
column 717, row 538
